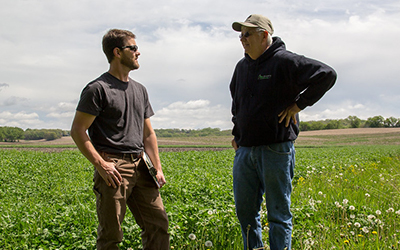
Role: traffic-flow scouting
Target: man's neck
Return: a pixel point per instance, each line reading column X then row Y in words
column 119, row 73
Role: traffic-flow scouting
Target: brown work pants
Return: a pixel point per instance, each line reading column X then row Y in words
column 137, row 191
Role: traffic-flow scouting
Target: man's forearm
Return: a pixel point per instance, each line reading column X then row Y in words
column 151, row 148
column 86, row 147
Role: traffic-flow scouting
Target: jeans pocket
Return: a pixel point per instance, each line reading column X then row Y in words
column 283, row 148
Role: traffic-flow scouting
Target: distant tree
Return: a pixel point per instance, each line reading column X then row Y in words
column 51, row 135
column 375, row 122
column 333, row 124
column 355, row 122
column 12, row 134
column 391, row 122
column 317, row 125
column 304, row 126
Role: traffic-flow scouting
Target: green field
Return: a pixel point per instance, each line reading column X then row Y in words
column 344, row 197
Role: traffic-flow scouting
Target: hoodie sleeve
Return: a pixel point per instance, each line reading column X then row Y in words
column 314, row 79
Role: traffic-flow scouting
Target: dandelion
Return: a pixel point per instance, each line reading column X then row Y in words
column 346, row 242
column 208, row 244
column 390, row 210
column 192, row 236
column 374, row 232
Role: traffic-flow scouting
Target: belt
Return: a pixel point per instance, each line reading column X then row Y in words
column 130, row 156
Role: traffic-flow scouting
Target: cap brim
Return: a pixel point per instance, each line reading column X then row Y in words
column 238, row 25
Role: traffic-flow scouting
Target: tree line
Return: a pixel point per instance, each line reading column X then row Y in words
column 13, row 134
column 351, row 122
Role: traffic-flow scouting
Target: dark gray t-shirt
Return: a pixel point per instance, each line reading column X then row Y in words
column 120, row 109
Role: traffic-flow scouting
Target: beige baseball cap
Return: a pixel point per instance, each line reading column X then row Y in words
column 255, row 21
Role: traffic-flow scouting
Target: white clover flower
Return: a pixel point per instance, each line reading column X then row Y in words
column 320, row 193
column 352, row 216
column 365, row 230
column 337, row 203
column 208, row 244
column 357, row 224
column 371, row 217
column 398, row 212
column 345, row 201
column 210, row 212
column 367, row 195
column 378, row 212
column 390, row 210
column 192, row 236
column 352, row 208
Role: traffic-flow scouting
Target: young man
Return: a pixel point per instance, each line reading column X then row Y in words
column 116, row 112
column 270, row 85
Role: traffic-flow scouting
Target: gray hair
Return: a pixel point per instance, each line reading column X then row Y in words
column 269, row 38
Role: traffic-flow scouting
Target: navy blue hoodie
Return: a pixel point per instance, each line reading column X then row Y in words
column 264, row 87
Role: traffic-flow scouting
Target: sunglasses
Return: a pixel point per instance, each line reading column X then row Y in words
column 134, row 48
column 247, row 34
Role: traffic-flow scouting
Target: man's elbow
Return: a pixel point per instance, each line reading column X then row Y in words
column 76, row 132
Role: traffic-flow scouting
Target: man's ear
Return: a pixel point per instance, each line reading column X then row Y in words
column 117, row 52
column 265, row 34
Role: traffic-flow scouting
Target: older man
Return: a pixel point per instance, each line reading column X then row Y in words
column 269, row 87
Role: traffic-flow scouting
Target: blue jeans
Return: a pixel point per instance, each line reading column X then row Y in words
column 264, row 169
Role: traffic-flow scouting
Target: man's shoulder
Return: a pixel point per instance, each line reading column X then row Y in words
column 99, row 81
column 136, row 85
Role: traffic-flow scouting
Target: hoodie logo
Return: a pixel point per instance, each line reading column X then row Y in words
column 264, row 77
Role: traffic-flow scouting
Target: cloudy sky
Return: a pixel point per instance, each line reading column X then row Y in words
column 50, row 49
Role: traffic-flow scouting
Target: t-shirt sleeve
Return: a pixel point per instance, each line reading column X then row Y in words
column 148, row 110
column 91, row 99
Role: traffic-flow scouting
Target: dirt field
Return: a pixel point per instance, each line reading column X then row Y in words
column 306, row 138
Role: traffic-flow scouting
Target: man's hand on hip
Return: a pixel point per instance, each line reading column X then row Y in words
column 110, row 174
column 289, row 113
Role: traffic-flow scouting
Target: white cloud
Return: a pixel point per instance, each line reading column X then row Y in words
column 193, row 114
column 50, row 50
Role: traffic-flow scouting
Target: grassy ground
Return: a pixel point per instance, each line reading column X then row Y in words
column 346, row 195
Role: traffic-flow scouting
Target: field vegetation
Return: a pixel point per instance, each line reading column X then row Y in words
column 346, row 194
